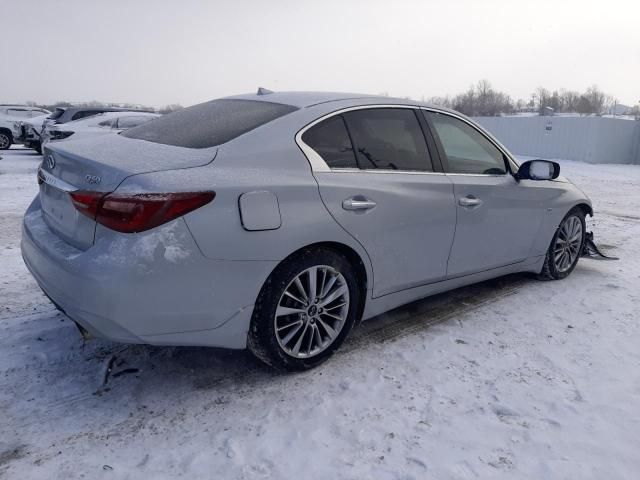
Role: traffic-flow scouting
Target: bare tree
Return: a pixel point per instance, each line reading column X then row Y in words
column 482, row 100
column 479, row 100
column 596, row 98
column 584, row 106
column 569, row 100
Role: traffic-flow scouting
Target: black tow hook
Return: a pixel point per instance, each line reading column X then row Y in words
column 591, row 250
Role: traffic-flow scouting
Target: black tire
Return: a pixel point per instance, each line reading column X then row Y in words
column 262, row 340
column 6, row 139
column 38, row 148
column 550, row 270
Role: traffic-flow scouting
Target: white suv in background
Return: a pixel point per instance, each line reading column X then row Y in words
column 11, row 117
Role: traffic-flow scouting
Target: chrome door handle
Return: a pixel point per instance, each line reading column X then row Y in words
column 469, row 201
column 358, row 204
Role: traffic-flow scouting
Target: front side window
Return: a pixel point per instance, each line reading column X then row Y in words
column 466, row 149
column 389, row 139
column 330, row 140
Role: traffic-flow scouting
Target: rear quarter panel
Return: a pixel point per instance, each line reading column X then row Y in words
column 266, row 159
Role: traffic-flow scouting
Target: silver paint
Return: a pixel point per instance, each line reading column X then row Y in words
column 194, row 281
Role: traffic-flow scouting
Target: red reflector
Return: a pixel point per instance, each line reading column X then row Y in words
column 138, row 212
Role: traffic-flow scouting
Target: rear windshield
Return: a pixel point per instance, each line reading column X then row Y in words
column 210, row 123
column 57, row 114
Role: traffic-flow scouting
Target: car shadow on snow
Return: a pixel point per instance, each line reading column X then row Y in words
column 211, row 367
column 125, row 386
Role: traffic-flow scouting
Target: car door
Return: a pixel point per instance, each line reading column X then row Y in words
column 498, row 218
column 380, row 185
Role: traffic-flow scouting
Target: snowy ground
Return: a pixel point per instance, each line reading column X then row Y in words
column 510, row 379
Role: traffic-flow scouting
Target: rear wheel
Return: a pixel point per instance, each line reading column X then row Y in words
column 305, row 310
column 5, row 140
column 566, row 247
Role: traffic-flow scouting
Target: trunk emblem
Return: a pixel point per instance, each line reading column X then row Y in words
column 92, row 179
column 51, row 162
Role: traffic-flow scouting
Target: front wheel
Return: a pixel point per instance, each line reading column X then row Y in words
column 566, row 247
column 305, row 310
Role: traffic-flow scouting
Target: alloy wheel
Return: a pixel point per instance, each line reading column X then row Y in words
column 4, row 141
column 568, row 244
column 312, row 311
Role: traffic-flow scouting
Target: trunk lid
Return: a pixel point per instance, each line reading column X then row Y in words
column 100, row 165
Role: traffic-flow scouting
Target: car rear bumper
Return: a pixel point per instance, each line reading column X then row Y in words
column 155, row 287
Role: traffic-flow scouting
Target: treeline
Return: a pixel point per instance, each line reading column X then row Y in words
column 130, row 106
column 483, row 100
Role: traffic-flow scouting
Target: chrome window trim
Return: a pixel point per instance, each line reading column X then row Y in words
column 378, row 171
column 319, row 165
column 478, row 174
column 55, row 182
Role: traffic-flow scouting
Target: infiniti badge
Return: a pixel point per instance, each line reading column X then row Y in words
column 51, row 162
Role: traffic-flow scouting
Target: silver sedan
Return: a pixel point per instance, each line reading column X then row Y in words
column 278, row 221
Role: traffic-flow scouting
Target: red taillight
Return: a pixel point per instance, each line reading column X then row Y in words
column 137, row 212
column 87, row 203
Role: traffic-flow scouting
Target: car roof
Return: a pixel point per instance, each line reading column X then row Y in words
column 101, row 109
column 309, row 99
column 28, row 107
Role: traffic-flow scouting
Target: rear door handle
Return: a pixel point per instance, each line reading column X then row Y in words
column 469, row 201
column 354, row 203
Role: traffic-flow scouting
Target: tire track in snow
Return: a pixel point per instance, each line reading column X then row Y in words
column 417, row 316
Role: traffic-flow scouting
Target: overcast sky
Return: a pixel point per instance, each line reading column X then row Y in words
column 157, row 52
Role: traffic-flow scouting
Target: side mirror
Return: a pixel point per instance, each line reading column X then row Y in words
column 538, row 170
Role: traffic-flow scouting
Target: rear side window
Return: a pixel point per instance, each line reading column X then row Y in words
column 330, row 140
column 107, row 123
column 466, row 149
column 84, row 114
column 57, row 114
column 388, row 138
column 130, row 122
column 209, row 124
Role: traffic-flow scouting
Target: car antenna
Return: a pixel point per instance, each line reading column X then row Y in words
column 264, row 91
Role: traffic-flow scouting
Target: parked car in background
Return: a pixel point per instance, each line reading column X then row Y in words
column 96, row 125
column 11, row 117
column 70, row 114
column 278, row 221
column 63, row 115
column 30, row 132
